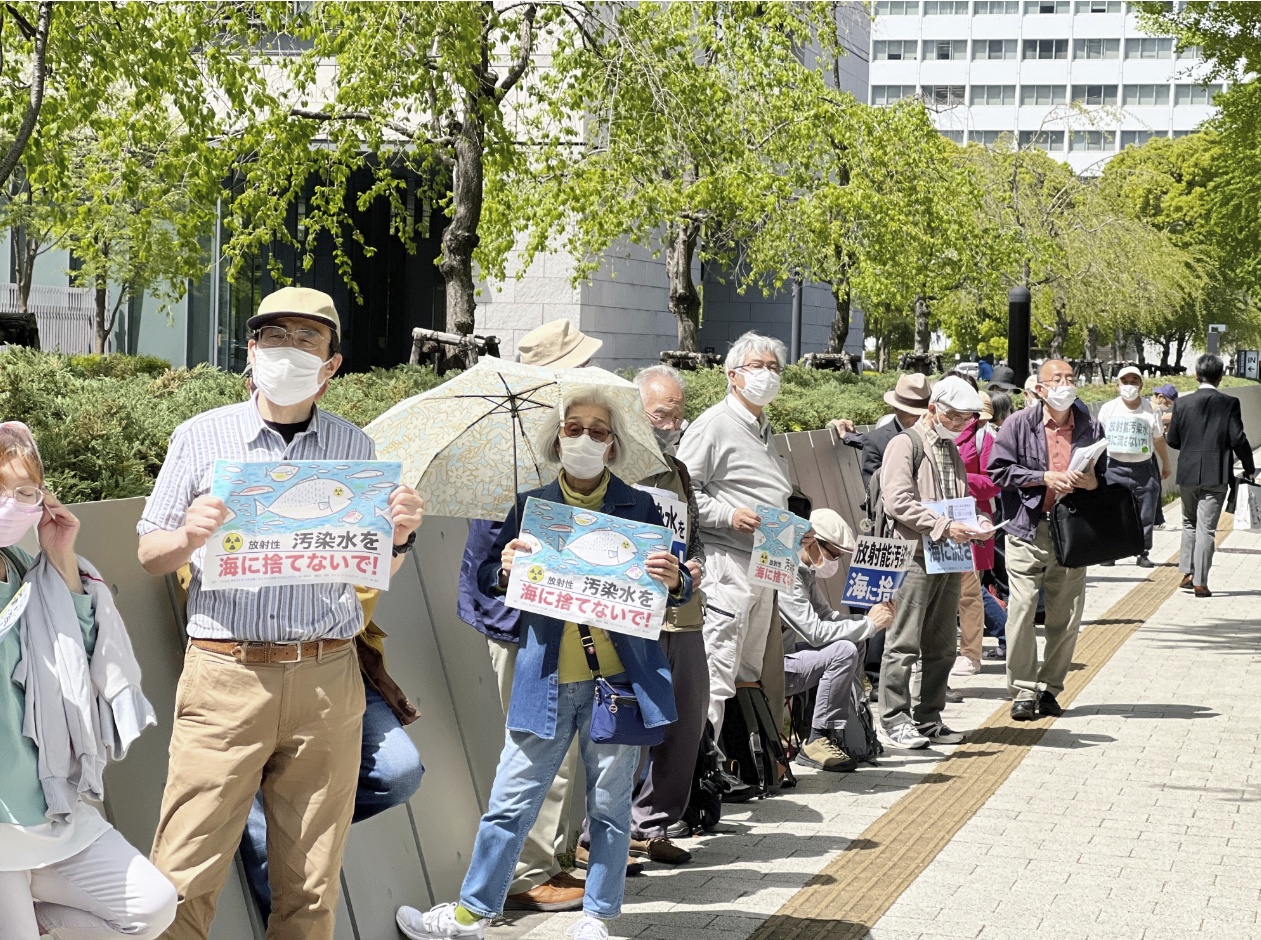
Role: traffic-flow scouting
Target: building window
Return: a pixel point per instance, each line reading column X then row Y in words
column 945, row 49
column 1044, row 95
column 993, row 95
column 1046, row 48
column 1145, row 95
column 895, row 50
column 1096, row 48
column 944, row 96
column 1035, row 7
column 1042, row 140
column 1095, row 94
column 1191, row 52
column 1093, row 141
column 946, row 7
column 995, row 7
column 1149, row 48
column 987, row 138
column 897, row 8
column 1137, row 138
column 1176, row 134
column 1098, row 6
column 888, row 94
column 955, row 136
column 1194, row 94
column 994, row 49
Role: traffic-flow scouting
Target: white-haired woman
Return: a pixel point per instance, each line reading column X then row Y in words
column 552, row 696
column 63, row 867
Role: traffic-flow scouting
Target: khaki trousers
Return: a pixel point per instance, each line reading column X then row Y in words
column 971, row 616
column 1031, row 566
column 297, row 729
column 549, row 836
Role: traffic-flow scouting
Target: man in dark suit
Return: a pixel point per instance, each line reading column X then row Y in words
column 909, row 401
column 1207, row 430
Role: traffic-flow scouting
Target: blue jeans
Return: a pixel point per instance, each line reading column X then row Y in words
column 389, row 773
column 995, row 618
column 526, row 768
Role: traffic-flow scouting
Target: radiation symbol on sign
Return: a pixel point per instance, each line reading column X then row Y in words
column 764, row 558
column 338, row 491
column 535, row 573
column 232, row 542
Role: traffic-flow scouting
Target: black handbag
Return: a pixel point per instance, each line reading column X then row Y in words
column 615, row 714
column 1089, row 527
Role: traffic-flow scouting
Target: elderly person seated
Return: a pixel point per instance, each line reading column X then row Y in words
column 553, row 692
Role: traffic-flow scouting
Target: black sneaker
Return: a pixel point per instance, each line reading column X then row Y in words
column 1048, row 706
column 1145, row 562
column 1023, row 709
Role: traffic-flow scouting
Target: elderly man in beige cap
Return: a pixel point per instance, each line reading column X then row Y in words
column 271, row 692
column 538, row 884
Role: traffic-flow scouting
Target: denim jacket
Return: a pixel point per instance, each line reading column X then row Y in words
column 484, row 613
column 535, row 688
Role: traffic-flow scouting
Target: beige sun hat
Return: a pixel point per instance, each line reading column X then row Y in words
column 304, row 302
column 829, row 527
column 557, row 345
column 910, row 394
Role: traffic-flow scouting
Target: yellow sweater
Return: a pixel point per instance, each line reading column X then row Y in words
column 572, row 666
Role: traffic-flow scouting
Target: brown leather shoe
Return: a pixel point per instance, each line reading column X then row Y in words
column 582, row 858
column 549, row 896
column 1201, row 590
column 1185, row 584
column 660, row 850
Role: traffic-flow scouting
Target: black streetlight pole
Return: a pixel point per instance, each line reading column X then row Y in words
column 1018, row 302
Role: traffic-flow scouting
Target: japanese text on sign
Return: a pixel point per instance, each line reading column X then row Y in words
column 877, row 571
column 776, row 547
column 945, row 556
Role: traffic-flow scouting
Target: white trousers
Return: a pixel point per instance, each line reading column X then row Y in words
column 107, row 891
column 737, row 622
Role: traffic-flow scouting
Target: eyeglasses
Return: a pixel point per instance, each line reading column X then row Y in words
column 273, row 337
column 754, row 366
column 23, row 495
column 575, row 429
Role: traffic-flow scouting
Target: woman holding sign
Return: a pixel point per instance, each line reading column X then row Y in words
column 556, row 694
column 63, row 865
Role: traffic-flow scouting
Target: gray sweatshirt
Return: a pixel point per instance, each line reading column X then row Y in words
column 809, row 620
column 733, row 464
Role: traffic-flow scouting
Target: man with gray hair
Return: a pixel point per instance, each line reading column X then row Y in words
column 734, row 466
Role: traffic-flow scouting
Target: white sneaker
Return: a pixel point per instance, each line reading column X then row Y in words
column 438, row 923
column 904, row 736
column 937, row 733
column 965, row 667
column 589, row 928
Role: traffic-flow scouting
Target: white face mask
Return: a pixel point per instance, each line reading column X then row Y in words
column 1061, row 397
column 942, row 431
column 582, row 458
column 286, row 376
column 828, row 568
column 1130, row 392
column 760, row 386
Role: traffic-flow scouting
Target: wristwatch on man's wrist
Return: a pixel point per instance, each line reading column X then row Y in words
column 406, row 546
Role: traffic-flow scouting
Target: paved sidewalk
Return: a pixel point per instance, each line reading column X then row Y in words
column 1135, row 816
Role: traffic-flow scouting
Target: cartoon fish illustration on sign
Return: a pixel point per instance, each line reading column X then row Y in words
column 786, row 538
column 283, row 473
column 584, row 518
column 559, row 527
column 256, row 490
column 367, row 474
column 634, row 571
column 312, row 498
column 352, row 517
column 603, row 548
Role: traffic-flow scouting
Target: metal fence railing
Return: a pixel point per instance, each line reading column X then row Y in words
column 66, row 315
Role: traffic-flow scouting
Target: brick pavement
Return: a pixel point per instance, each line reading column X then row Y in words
column 1149, row 825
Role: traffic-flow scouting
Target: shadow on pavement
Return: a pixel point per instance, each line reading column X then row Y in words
column 1147, row 711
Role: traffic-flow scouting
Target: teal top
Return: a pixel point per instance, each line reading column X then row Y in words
column 21, row 796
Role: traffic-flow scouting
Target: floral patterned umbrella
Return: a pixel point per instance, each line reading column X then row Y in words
column 468, row 446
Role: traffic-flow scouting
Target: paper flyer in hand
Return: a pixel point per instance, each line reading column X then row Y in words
column 877, row 571
column 589, row 568
column 674, row 514
column 1085, row 457
column 302, row 522
column 945, row 556
column 776, row 547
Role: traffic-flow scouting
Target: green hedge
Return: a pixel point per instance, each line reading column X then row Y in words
column 103, row 423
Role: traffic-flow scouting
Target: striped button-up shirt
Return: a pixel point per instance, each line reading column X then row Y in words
column 280, row 614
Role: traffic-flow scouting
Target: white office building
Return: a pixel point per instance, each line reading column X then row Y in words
column 1077, row 78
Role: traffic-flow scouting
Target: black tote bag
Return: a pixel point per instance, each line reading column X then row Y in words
column 1089, row 527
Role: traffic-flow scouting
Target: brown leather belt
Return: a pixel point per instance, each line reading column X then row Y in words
column 270, row 654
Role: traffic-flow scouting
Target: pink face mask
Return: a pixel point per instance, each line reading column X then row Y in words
column 16, row 520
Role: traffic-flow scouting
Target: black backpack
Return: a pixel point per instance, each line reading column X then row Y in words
column 877, row 522
column 704, row 806
column 754, row 748
column 859, row 737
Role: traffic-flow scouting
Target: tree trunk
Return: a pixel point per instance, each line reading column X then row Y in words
column 1059, row 338
column 38, row 78
column 1165, row 342
column 1184, row 340
column 839, row 333
column 685, row 300
column 102, row 328
column 460, row 238
column 1092, row 342
column 1139, row 352
column 923, row 332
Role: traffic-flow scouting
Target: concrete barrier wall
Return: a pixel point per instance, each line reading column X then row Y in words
column 415, row 853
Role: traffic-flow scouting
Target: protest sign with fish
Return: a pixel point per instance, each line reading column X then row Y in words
column 673, row 514
column 302, row 522
column 587, row 567
column 776, row 547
